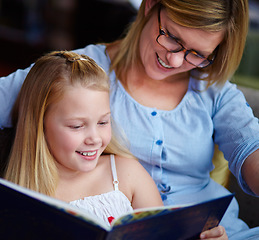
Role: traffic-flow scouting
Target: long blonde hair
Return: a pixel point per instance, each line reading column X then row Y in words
column 231, row 16
column 31, row 164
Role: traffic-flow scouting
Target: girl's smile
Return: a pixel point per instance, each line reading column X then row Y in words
column 89, row 155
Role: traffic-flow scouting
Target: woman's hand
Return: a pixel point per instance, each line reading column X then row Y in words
column 218, row 233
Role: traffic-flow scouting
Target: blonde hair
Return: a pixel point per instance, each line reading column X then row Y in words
column 230, row 16
column 31, row 164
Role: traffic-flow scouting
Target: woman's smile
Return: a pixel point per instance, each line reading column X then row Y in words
column 162, row 63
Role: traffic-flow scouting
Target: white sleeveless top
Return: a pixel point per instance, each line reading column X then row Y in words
column 107, row 205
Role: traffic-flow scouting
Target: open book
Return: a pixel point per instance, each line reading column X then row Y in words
column 25, row 214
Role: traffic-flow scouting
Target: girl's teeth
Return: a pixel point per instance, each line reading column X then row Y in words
column 88, row 153
column 163, row 64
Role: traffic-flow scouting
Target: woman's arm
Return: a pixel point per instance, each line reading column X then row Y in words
column 9, row 89
column 250, row 171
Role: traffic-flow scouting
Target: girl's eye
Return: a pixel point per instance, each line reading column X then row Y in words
column 103, row 122
column 76, row 126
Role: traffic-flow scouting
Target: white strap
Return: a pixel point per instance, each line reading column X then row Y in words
column 114, row 173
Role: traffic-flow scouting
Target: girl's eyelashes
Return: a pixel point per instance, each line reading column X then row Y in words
column 79, row 126
column 76, row 126
column 104, row 122
column 85, row 123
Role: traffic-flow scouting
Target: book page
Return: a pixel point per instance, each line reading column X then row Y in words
column 143, row 213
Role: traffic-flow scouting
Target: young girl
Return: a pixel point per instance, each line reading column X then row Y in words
column 63, row 145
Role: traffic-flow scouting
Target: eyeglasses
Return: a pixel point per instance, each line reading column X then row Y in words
column 171, row 44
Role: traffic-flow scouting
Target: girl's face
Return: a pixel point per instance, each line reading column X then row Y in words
column 160, row 63
column 78, row 128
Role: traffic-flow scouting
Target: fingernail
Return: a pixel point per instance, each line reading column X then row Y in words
column 202, row 236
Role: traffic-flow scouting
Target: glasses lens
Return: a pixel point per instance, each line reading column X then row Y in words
column 197, row 60
column 173, row 46
column 169, row 43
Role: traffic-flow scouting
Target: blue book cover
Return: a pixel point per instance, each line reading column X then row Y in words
column 25, row 214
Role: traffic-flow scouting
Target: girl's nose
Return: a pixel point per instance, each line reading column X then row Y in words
column 175, row 59
column 92, row 136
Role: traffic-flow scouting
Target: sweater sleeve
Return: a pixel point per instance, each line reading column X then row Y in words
column 9, row 89
column 236, row 129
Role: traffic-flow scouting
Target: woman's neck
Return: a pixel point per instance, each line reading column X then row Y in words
column 163, row 94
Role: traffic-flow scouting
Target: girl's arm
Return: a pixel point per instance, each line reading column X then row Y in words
column 137, row 184
column 146, row 193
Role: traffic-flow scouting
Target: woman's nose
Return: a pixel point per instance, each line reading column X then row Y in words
column 175, row 59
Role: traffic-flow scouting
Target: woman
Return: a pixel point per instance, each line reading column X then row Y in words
column 170, row 95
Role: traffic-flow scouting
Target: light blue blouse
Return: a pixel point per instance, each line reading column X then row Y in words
column 176, row 147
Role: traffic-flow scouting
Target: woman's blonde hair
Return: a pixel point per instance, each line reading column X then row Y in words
column 31, row 164
column 231, row 16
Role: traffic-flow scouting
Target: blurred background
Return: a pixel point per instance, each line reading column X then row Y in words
column 30, row 28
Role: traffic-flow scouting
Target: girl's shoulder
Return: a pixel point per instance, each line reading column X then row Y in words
column 136, row 183
column 126, row 164
column 130, row 171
